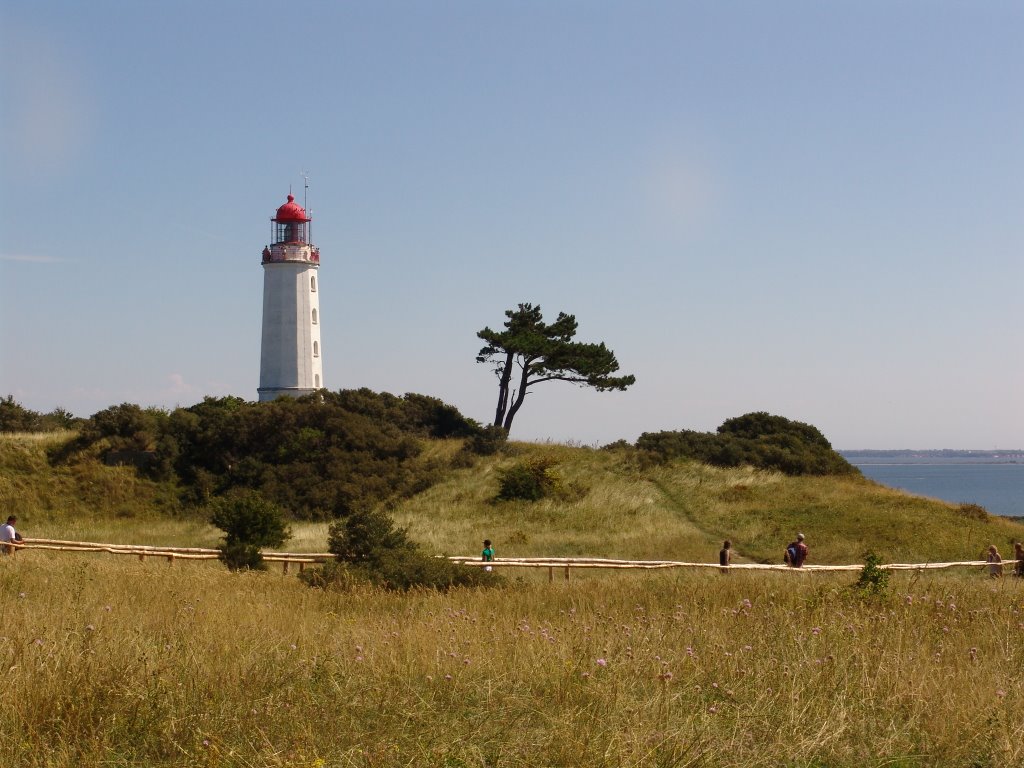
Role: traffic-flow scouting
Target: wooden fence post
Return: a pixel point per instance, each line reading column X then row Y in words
column 285, row 564
column 567, row 573
column 551, row 573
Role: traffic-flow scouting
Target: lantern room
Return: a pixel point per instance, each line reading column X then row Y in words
column 291, row 224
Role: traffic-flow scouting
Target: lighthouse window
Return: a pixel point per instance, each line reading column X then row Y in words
column 316, row 349
column 314, row 316
column 312, row 284
column 290, row 231
column 316, row 380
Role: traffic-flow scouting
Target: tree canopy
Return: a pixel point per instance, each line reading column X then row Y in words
column 529, row 352
column 15, row 417
column 318, row 457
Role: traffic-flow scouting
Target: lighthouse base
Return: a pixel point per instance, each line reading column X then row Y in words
column 272, row 393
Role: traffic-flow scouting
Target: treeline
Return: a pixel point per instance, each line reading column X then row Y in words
column 15, row 417
column 318, row 457
column 755, row 439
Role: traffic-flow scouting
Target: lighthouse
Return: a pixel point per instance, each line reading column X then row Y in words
column 291, row 361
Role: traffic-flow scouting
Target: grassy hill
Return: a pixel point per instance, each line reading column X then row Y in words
column 615, row 503
column 684, row 510
column 114, row 662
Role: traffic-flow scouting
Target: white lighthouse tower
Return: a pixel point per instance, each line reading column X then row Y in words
column 291, row 361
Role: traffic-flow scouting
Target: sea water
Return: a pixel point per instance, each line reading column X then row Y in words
column 999, row 488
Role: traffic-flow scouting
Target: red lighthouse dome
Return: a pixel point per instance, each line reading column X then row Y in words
column 291, row 211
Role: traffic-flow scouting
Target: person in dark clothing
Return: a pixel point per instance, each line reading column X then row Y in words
column 725, row 556
column 796, row 552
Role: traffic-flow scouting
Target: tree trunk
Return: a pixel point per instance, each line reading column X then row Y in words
column 503, row 383
column 519, row 398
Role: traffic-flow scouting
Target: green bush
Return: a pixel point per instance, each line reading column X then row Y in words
column 249, row 522
column 242, row 557
column 400, row 571
column 403, row 570
column 319, row 456
column 756, row 439
column 364, row 537
column 487, row 441
column 371, row 550
column 873, row 579
column 620, row 445
column 529, row 480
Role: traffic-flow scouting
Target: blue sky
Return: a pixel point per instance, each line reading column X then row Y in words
column 812, row 209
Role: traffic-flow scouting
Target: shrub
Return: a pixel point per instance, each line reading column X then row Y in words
column 756, row 439
column 242, row 557
column 249, row 522
column 872, row 580
column 487, row 441
column 528, row 480
column 371, row 550
column 436, row 418
column 364, row 536
column 316, row 455
column 401, row 570
column 618, row 445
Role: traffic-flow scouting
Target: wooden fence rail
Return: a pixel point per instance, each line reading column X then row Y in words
column 302, row 559
column 566, row 563
column 142, row 551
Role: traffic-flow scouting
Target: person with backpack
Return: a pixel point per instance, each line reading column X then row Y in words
column 796, row 552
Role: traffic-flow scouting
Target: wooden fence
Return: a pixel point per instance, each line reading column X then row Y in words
column 171, row 554
column 563, row 564
column 567, row 563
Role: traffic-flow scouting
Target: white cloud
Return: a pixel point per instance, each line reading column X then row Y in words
column 178, row 385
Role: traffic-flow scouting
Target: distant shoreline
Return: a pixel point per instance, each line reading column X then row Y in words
column 950, row 463
column 944, row 456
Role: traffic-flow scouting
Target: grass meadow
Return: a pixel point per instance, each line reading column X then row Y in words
column 113, row 662
column 109, row 661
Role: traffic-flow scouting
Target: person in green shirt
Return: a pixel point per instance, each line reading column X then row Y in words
column 488, row 554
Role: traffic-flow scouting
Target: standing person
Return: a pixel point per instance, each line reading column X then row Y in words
column 995, row 562
column 796, row 552
column 8, row 536
column 1018, row 554
column 725, row 556
column 488, row 554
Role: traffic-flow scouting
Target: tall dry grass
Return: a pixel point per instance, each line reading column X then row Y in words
column 116, row 663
